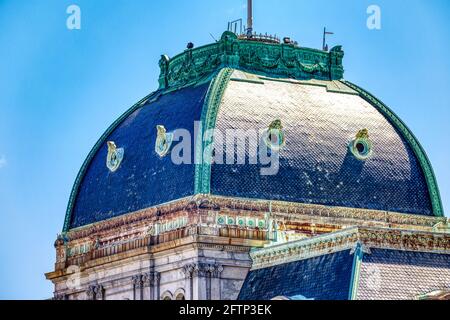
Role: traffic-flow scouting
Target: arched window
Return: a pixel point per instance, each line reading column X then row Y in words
column 180, row 294
column 167, row 295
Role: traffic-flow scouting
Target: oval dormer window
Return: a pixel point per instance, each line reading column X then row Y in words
column 274, row 136
column 361, row 146
column 114, row 157
column 163, row 141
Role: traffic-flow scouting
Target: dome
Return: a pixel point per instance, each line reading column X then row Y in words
column 338, row 145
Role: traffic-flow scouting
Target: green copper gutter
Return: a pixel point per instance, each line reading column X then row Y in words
column 101, row 142
column 208, row 122
column 424, row 161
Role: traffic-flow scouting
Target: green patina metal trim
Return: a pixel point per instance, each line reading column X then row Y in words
column 208, row 122
column 274, row 60
column 356, row 271
column 247, row 81
column 150, row 98
column 424, row 161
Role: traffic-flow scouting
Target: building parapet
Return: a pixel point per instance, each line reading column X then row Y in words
column 272, row 59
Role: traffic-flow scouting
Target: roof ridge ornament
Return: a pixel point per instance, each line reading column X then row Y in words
column 269, row 59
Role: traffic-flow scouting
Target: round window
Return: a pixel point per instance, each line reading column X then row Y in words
column 361, row 146
column 163, row 141
column 114, row 156
column 274, row 137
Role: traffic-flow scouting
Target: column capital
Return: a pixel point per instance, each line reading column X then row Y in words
column 95, row 292
column 202, row 270
column 99, row 292
column 189, row 269
column 90, row 292
column 137, row 281
column 217, row 270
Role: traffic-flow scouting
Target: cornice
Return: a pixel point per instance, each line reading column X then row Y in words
column 286, row 211
column 348, row 239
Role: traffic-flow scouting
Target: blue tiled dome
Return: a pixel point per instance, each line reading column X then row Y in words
column 144, row 179
column 320, row 118
column 316, row 165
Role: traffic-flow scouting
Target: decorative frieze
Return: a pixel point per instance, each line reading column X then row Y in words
column 346, row 239
column 285, row 211
column 286, row 60
column 215, row 216
column 158, row 228
column 242, row 222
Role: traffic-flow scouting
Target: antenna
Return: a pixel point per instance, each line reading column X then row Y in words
column 213, row 37
column 325, row 45
column 249, row 18
column 234, row 25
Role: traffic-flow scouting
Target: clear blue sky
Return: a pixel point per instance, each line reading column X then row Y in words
column 60, row 89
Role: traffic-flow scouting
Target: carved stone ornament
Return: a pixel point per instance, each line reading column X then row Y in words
column 163, row 141
column 361, row 146
column 114, row 157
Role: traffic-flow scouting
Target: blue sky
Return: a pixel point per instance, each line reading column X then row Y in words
column 60, row 89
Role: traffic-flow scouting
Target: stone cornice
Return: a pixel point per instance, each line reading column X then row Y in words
column 286, row 211
column 130, row 235
column 304, row 249
column 347, row 239
column 286, row 60
column 134, row 218
column 291, row 212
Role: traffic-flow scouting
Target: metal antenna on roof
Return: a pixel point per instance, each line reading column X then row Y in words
column 249, row 18
column 325, row 45
column 212, row 37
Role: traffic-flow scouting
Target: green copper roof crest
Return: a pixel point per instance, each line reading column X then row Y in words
column 424, row 161
column 271, row 59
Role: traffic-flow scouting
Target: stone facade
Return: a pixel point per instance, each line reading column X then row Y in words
column 190, row 257
column 196, row 249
